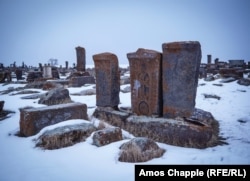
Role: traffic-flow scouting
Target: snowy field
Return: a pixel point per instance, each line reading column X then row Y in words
column 21, row 160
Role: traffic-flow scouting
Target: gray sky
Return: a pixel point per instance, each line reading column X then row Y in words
column 34, row 31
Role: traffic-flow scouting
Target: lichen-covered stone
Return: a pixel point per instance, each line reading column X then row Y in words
column 107, row 136
column 32, row 120
column 180, row 72
column 145, row 76
column 140, row 149
column 65, row 136
column 107, row 80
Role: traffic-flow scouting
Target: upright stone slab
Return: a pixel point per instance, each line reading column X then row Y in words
column 145, row 78
column 107, row 80
column 80, row 55
column 47, row 71
column 180, row 72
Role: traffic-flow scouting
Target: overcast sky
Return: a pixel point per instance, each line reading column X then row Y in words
column 33, row 31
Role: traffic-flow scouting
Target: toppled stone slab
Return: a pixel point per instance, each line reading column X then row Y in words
column 65, row 136
column 107, row 136
column 86, row 92
column 227, row 80
column 34, row 96
column 200, row 130
column 140, row 149
column 212, row 96
column 113, row 117
column 81, row 80
column 55, row 96
column 24, row 92
column 243, row 81
column 32, row 120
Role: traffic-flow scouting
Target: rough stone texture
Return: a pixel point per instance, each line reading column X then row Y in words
column 19, row 74
column 81, row 59
column 55, row 96
column 32, row 120
column 231, row 72
column 113, row 117
column 107, row 80
column 140, row 149
column 180, row 67
column 65, row 136
column 81, row 80
column 244, row 81
column 86, row 92
column 33, row 75
column 145, row 76
column 200, row 130
column 5, row 75
column 107, row 136
column 1, row 105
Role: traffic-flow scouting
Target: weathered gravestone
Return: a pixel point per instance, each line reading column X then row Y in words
column 47, row 71
column 107, row 80
column 180, row 72
column 80, row 55
column 32, row 120
column 145, row 76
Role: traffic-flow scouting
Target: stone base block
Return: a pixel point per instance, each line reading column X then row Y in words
column 32, row 120
column 198, row 131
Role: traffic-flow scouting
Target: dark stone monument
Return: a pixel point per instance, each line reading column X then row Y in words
column 80, row 55
column 145, row 77
column 19, row 74
column 107, row 80
column 209, row 59
column 180, row 72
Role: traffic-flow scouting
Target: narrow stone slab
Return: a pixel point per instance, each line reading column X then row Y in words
column 81, row 59
column 32, row 120
column 180, row 72
column 145, row 76
column 107, row 80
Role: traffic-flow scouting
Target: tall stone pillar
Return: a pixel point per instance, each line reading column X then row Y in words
column 209, row 59
column 180, row 72
column 80, row 55
column 107, row 80
column 66, row 64
column 145, row 78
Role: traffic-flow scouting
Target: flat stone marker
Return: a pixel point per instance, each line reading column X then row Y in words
column 107, row 80
column 81, row 59
column 180, row 72
column 145, row 76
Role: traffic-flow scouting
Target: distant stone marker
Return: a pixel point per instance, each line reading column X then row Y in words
column 107, row 80
column 180, row 71
column 145, row 76
column 81, row 59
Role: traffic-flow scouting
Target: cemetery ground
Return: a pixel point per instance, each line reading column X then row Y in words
column 22, row 160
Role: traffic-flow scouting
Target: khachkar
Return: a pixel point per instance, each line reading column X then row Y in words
column 180, row 71
column 145, row 77
column 107, row 80
column 81, row 59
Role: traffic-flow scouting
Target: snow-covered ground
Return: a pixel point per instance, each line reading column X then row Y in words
column 21, row 160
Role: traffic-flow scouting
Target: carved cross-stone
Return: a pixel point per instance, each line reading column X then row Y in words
column 107, row 80
column 145, row 77
column 180, row 71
